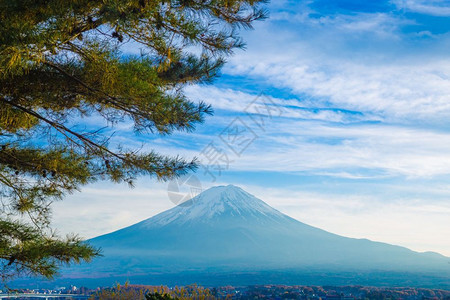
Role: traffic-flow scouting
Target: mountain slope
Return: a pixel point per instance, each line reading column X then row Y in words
column 225, row 228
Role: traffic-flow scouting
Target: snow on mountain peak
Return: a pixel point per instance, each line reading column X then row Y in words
column 216, row 202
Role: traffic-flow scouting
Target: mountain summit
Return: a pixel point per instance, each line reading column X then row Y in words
column 226, row 229
column 216, row 204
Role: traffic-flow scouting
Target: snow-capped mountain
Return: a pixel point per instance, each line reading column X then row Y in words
column 227, row 229
column 216, row 204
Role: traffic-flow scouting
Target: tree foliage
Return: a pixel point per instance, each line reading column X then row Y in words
column 143, row 292
column 64, row 65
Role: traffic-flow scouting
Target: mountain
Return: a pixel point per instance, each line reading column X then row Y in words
column 225, row 230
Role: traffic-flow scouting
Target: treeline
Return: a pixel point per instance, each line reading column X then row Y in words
column 139, row 292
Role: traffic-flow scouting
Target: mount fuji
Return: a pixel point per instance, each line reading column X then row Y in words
column 227, row 236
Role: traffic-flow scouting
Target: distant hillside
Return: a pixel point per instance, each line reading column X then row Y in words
column 226, row 230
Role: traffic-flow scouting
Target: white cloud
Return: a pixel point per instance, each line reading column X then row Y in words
column 328, row 142
column 300, row 108
column 430, row 7
column 360, row 61
column 398, row 92
column 103, row 208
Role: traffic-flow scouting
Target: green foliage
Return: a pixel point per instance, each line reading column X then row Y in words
column 121, row 293
column 24, row 250
column 158, row 296
column 137, row 292
column 60, row 65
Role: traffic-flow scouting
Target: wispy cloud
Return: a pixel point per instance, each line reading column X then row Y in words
column 414, row 90
column 431, row 7
column 329, row 141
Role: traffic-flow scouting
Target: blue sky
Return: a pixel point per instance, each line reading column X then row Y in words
column 358, row 142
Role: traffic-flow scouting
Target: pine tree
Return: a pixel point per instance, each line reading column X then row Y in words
column 62, row 63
